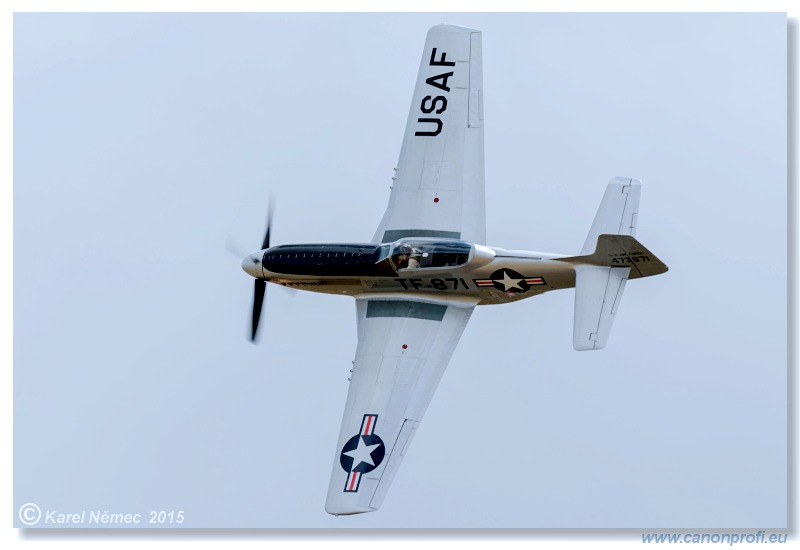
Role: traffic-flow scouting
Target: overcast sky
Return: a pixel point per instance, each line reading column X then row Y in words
column 142, row 143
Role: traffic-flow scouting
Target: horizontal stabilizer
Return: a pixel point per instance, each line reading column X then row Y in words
column 610, row 256
column 617, row 213
column 598, row 292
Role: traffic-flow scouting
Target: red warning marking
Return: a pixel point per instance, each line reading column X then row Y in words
column 435, row 199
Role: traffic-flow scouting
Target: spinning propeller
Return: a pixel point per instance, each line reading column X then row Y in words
column 252, row 265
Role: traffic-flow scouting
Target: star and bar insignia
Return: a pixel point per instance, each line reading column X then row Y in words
column 362, row 453
column 509, row 281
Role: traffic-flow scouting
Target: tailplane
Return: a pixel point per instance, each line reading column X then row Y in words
column 610, row 256
column 618, row 211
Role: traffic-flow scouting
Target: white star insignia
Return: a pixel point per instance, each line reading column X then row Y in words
column 508, row 282
column 362, row 453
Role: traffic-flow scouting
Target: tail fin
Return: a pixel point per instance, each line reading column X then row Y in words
column 617, row 251
column 610, row 256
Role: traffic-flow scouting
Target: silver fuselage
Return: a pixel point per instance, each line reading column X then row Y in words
column 488, row 276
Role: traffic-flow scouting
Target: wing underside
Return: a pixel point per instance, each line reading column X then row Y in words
column 404, row 345
column 403, row 349
column 438, row 187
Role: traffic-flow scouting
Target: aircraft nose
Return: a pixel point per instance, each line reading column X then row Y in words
column 252, row 265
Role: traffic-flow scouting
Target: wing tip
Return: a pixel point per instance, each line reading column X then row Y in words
column 621, row 180
column 444, row 27
column 587, row 346
column 347, row 510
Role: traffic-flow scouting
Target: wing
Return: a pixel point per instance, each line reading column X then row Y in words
column 403, row 349
column 438, row 188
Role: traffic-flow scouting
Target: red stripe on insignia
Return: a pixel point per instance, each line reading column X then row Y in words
column 353, row 477
column 534, row 281
column 366, row 428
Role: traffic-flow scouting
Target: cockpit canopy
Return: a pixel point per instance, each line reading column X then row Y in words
column 422, row 254
column 365, row 260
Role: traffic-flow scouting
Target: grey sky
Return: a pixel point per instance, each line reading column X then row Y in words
column 141, row 141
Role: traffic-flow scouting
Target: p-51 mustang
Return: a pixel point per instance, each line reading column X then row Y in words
column 427, row 267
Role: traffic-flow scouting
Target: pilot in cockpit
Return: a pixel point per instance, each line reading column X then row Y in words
column 408, row 258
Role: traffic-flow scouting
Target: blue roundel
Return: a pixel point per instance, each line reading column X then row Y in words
column 362, row 453
column 509, row 281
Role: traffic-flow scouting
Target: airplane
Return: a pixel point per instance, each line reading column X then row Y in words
column 418, row 281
